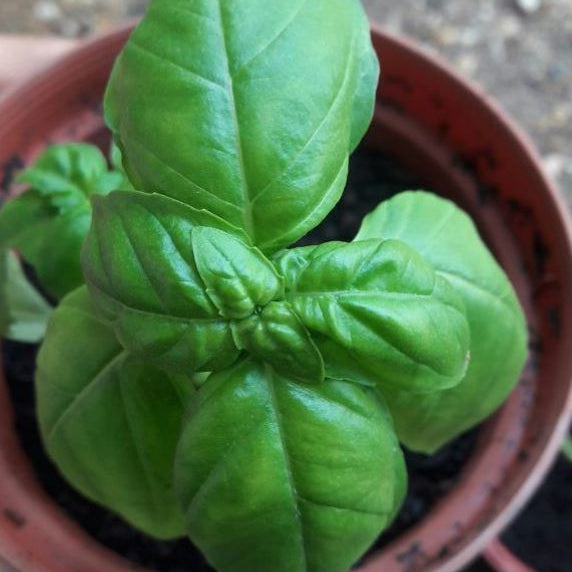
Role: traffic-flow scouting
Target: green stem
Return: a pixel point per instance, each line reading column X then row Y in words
column 567, row 449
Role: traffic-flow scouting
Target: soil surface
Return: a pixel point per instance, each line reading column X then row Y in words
column 542, row 535
column 430, row 478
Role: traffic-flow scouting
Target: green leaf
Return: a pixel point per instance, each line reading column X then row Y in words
column 448, row 240
column 278, row 474
column 66, row 175
column 238, row 277
column 110, row 422
column 49, row 240
column 276, row 336
column 567, row 449
column 5, row 318
column 48, row 223
column 25, row 311
column 116, row 158
column 140, row 269
column 375, row 309
column 246, row 108
column 364, row 96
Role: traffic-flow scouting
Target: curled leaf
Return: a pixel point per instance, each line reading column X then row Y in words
column 140, row 269
column 378, row 307
column 48, row 223
column 447, row 238
column 238, row 277
column 276, row 336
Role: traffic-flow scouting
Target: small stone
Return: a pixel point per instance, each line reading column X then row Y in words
column 46, row 11
column 470, row 37
column 529, row 6
column 554, row 165
column 468, row 64
column 448, row 35
column 71, row 28
column 510, row 27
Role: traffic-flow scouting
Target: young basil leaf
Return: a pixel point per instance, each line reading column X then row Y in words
column 48, row 223
column 246, row 108
column 109, row 421
column 49, row 240
column 25, row 312
column 140, row 269
column 383, row 306
column 272, row 471
column 448, row 240
column 66, row 175
column 276, row 336
column 238, row 277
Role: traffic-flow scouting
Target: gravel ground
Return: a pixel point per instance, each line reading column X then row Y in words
column 520, row 51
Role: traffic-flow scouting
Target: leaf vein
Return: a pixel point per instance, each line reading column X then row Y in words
column 274, row 39
column 85, row 391
column 247, row 201
column 189, row 72
column 269, row 378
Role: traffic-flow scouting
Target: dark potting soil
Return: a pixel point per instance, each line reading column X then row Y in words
column 542, row 535
column 373, row 178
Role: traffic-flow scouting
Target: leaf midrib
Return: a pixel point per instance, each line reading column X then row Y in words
column 246, row 194
column 269, row 378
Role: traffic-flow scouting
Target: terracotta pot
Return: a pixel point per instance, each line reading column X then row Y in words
column 460, row 143
column 20, row 56
column 501, row 559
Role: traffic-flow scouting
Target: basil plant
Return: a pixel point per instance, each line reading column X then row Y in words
column 207, row 378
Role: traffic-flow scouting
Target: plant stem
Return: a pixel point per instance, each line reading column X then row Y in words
column 567, row 449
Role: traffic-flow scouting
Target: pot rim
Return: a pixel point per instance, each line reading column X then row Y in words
column 498, row 555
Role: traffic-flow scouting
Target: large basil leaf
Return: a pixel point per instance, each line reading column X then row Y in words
column 109, row 421
column 48, row 223
column 246, row 108
column 140, row 268
column 276, row 474
column 378, row 307
column 238, row 277
column 23, row 310
column 447, row 239
column 275, row 335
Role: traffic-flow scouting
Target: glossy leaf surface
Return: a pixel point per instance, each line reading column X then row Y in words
column 48, row 223
column 139, row 266
column 116, row 159
column 447, row 239
column 378, row 307
column 238, row 278
column 246, row 108
column 276, row 336
column 278, row 474
column 110, row 422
